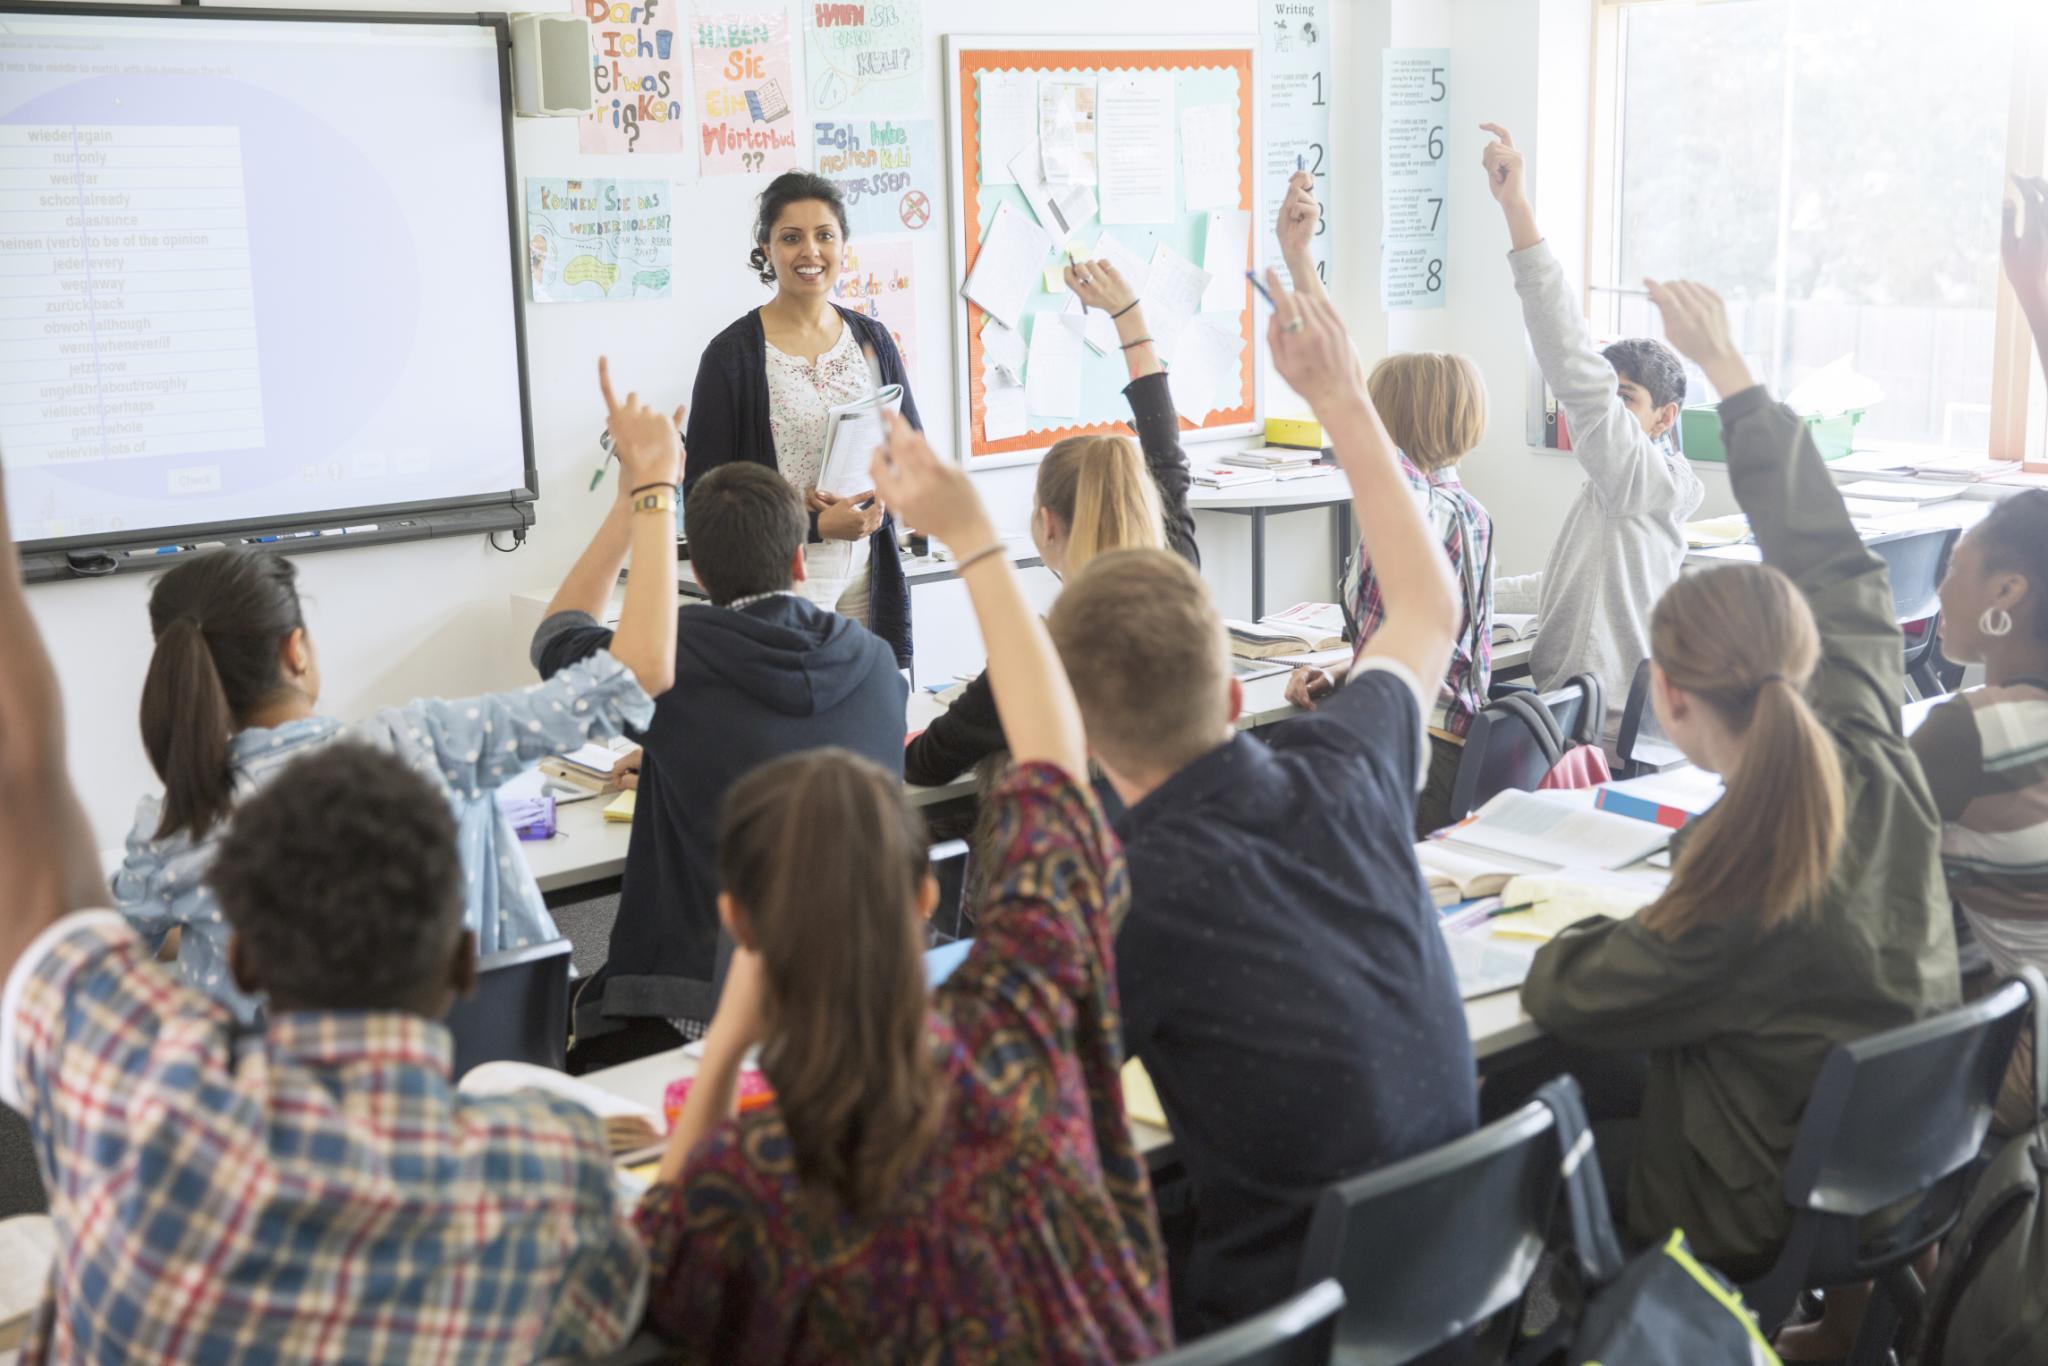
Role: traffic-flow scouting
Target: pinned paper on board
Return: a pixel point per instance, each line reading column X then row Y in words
column 887, row 170
column 1003, row 347
column 1009, row 123
column 864, row 58
column 636, row 68
column 742, row 66
column 1066, row 132
column 1172, row 296
column 1133, row 267
column 876, row 278
column 1052, row 375
column 1208, row 157
column 1061, row 210
column 1006, row 268
column 1003, row 413
column 598, row 239
column 1226, row 252
column 1093, row 326
column 1136, row 128
column 1205, row 366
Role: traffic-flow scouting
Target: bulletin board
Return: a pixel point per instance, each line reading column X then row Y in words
column 1205, row 71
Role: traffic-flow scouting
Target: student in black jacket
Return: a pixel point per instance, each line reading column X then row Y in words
column 1094, row 495
column 760, row 673
column 764, row 386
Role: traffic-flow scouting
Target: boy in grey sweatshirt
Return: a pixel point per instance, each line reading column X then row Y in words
column 1623, row 542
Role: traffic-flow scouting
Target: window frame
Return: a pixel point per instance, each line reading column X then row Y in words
column 2016, row 385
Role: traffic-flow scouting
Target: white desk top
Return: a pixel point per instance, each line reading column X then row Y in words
column 1323, row 490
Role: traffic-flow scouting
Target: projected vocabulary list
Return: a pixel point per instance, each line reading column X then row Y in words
column 127, row 317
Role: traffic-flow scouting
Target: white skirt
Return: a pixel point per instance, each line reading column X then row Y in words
column 836, row 577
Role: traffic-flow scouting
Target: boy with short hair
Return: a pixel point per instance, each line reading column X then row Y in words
column 760, row 673
column 1623, row 541
column 1281, row 971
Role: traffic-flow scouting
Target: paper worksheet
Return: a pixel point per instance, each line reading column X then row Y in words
column 1052, row 376
column 1007, row 267
column 1208, row 156
column 1226, row 247
column 1204, row 363
column 1093, row 326
column 1009, row 121
column 1172, row 296
column 1061, row 209
column 1066, row 132
column 1128, row 263
column 1002, row 411
column 1135, row 141
column 1003, row 348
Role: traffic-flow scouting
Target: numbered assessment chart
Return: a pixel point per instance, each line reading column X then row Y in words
column 1414, row 178
column 127, row 317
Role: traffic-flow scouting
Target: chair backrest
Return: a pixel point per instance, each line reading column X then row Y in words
column 1509, row 746
column 1917, row 561
column 1295, row 1332
column 1432, row 1246
column 1892, row 1115
column 519, row 1011
column 949, row 860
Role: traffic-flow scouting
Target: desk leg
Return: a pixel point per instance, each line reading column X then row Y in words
column 1345, row 541
column 1258, row 563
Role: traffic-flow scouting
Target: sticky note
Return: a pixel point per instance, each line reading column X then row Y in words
column 1055, row 279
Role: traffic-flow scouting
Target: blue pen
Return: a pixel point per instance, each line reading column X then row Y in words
column 1263, row 294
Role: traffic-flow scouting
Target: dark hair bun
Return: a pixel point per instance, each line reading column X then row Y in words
column 791, row 187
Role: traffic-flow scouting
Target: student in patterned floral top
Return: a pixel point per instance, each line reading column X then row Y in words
column 944, row 1176
column 232, row 697
column 316, row 1191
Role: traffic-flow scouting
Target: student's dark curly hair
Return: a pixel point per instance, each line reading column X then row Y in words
column 791, row 187
column 1647, row 362
column 342, row 880
column 2015, row 538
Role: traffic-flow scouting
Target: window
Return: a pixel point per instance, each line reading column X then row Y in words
column 1835, row 169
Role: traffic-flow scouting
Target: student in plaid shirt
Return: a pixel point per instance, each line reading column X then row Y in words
column 1434, row 407
column 317, row 1191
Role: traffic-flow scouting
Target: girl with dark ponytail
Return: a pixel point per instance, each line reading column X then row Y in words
column 232, row 696
column 1806, row 908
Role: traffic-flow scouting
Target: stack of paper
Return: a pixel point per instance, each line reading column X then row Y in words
column 1228, row 476
column 1730, row 530
column 1274, row 458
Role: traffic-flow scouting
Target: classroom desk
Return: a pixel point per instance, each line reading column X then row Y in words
column 1962, row 512
column 1329, row 489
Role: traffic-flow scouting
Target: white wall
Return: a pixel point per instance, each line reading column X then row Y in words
column 433, row 617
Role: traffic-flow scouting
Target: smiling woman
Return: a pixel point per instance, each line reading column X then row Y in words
column 766, row 384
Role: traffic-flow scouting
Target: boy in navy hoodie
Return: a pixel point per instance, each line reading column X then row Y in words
column 760, row 673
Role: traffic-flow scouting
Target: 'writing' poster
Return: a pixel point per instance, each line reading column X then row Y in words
column 744, row 88
column 637, row 60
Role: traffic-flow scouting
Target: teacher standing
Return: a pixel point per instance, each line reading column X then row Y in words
column 766, row 384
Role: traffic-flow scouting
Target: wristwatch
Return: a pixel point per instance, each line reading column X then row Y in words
column 655, row 500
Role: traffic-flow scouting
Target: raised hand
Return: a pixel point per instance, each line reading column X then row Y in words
column 1299, row 214
column 1310, row 347
column 1100, row 285
column 648, row 444
column 1696, row 325
column 2025, row 250
column 1504, row 168
column 934, row 495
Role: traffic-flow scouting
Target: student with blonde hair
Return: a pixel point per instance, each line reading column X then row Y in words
column 1281, row 970
column 1806, row 909
column 1434, row 408
column 942, row 1175
column 1094, row 493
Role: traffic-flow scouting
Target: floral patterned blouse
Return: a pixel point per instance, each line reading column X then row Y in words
column 801, row 396
column 1026, row 1233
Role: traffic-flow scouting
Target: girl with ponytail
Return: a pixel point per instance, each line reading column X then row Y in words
column 232, row 696
column 1806, row 909
column 1094, row 494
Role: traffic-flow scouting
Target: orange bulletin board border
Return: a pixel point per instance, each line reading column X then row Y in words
column 966, row 59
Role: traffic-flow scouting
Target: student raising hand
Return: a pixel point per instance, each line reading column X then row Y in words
column 1505, row 170
column 1299, row 221
column 648, row 443
column 1098, row 284
column 1696, row 325
column 1310, row 348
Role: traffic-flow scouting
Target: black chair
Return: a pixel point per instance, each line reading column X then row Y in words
column 949, row 860
column 1486, row 1202
column 519, row 1011
column 1640, row 745
column 1295, row 1332
column 1895, row 1123
column 1510, row 744
column 1917, row 560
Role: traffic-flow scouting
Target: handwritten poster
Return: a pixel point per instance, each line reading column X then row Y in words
column 637, row 59
column 744, row 86
column 888, row 170
column 1415, row 177
column 864, row 58
column 598, row 239
column 875, row 277
column 1294, row 43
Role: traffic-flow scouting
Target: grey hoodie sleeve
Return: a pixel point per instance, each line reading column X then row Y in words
column 1625, row 469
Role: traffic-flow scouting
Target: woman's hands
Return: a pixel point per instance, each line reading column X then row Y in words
column 846, row 519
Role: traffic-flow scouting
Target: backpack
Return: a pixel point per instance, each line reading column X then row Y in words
column 1576, row 760
column 1661, row 1307
column 1989, row 1300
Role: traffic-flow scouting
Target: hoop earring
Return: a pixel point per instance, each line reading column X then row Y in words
column 1995, row 622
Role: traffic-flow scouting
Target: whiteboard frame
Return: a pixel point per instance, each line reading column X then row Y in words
column 953, row 45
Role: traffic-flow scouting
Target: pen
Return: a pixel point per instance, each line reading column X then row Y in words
column 1256, row 284
column 1072, row 262
column 1498, row 911
column 1300, row 162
